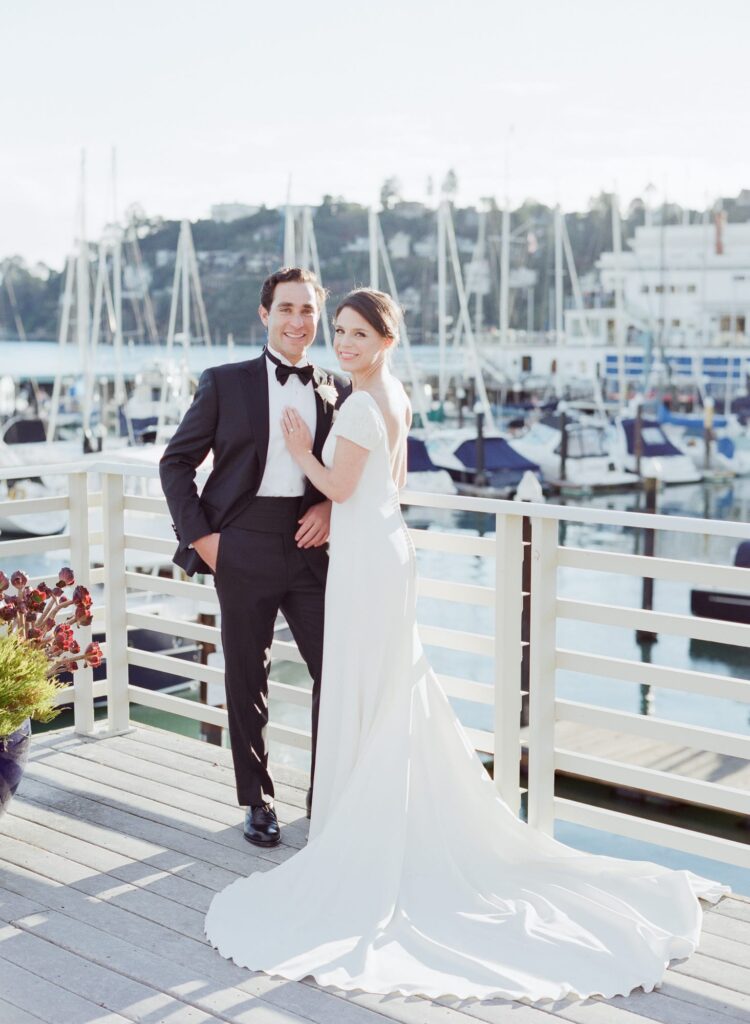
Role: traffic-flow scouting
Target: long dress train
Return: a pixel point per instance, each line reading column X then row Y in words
column 417, row 877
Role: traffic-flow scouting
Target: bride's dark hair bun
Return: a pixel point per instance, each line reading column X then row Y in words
column 377, row 308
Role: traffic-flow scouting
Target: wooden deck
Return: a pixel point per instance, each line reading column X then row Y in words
column 109, row 857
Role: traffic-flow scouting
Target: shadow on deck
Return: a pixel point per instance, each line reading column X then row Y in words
column 112, row 850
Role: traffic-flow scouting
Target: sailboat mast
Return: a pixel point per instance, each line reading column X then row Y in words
column 83, row 298
column 372, row 236
column 619, row 311
column 442, row 297
column 558, row 275
column 505, row 273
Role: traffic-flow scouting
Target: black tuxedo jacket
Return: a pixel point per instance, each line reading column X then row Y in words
column 229, row 415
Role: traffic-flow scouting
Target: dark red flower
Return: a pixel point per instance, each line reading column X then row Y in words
column 19, row 579
column 66, row 577
column 57, row 592
column 4, row 582
column 93, row 655
column 36, row 599
column 83, row 616
column 34, row 633
column 82, row 597
column 62, row 637
column 7, row 612
column 75, row 647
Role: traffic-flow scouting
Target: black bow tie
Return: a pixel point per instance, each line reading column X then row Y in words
column 284, row 372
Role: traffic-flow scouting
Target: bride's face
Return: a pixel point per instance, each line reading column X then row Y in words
column 358, row 345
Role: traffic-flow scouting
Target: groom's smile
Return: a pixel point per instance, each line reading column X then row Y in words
column 292, row 320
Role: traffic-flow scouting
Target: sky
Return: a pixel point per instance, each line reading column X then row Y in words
column 210, row 101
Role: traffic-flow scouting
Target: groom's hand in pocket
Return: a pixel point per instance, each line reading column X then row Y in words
column 314, row 526
column 208, row 549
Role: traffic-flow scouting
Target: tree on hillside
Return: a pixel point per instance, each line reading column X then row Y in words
column 390, row 192
column 449, row 188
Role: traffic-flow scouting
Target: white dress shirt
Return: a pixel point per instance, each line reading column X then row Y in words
column 282, row 477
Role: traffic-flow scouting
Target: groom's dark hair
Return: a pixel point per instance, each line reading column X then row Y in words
column 286, row 274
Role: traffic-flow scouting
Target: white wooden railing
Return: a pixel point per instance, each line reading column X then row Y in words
column 104, row 490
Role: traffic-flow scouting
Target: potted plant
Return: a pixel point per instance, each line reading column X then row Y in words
column 38, row 643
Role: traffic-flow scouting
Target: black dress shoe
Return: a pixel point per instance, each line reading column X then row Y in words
column 308, row 802
column 261, row 826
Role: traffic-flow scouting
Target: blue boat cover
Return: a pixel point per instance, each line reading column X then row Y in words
column 726, row 447
column 498, row 454
column 742, row 555
column 687, row 420
column 654, row 440
column 417, row 457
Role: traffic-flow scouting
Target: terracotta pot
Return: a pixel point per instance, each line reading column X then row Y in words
column 14, row 750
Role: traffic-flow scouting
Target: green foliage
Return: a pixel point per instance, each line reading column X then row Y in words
column 25, row 690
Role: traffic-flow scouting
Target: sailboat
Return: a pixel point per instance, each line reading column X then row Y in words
column 583, row 459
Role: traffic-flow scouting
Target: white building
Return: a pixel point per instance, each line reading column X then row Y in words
column 685, row 284
column 399, row 245
column 226, row 212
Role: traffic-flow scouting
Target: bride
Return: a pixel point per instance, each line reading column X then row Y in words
column 417, row 877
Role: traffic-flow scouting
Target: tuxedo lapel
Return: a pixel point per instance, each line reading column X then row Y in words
column 255, row 386
column 324, row 413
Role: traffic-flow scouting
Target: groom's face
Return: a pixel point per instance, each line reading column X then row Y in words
column 292, row 320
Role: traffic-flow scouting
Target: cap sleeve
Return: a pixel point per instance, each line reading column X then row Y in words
column 358, row 421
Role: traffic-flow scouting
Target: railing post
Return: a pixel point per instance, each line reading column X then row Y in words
column 80, row 557
column 508, row 652
column 542, row 662
column 115, row 603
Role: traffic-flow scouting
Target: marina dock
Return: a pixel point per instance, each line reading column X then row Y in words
column 113, row 850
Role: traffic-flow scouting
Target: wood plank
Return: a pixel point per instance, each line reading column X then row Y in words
column 10, row 1014
column 730, row 927
column 26, row 888
column 635, row 1008
column 656, row 1006
column 198, row 850
column 197, row 749
column 417, row 1010
column 70, row 973
column 735, row 908
column 720, row 947
column 190, row 954
column 708, row 997
column 173, row 788
column 292, row 796
column 121, row 842
column 216, row 785
column 718, row 972
column 498, row 1011
column 155, row 803
column 140, row 901
column 95, row 952
column 29, row 992
column 657, row 755
column 103, row 862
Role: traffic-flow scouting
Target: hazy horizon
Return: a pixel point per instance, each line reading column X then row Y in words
column 215, row 104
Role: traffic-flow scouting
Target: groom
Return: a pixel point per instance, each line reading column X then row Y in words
column 259, row 526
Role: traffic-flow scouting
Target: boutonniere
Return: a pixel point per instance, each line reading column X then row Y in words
column 328, row 393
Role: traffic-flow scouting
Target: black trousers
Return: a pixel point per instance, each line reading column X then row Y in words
column 259, row 572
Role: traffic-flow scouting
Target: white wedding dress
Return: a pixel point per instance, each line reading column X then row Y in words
column 417, row 878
